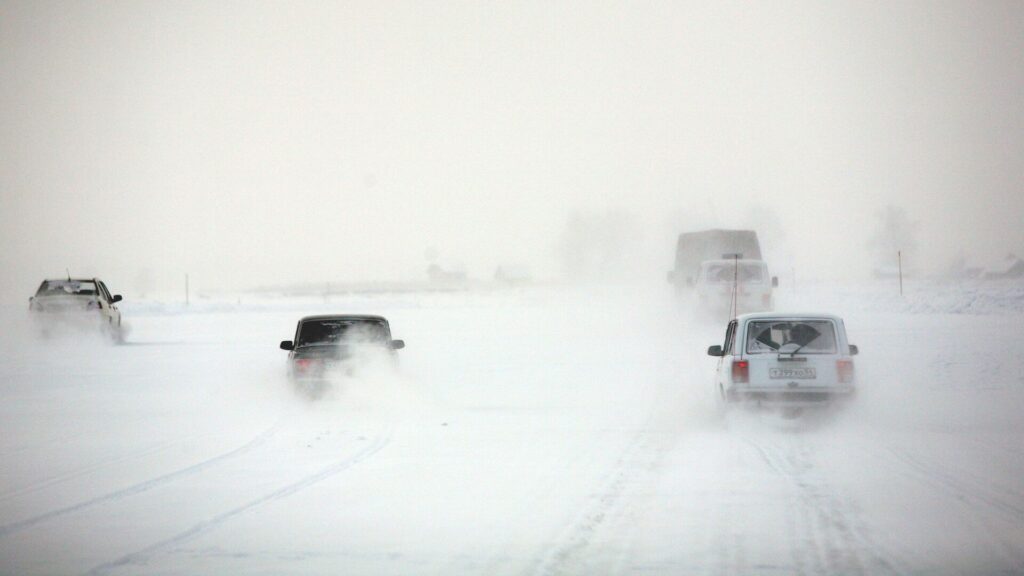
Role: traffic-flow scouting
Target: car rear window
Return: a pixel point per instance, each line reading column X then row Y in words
column 67, row 287
column 787, row 336
column 328, row 332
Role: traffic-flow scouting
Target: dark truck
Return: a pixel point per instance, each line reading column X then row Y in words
column 692, row 248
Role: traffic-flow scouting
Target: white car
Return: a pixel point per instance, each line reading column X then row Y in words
column 789, row 360
column 69, row 303
column 749, row 279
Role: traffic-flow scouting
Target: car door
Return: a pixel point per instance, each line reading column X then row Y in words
column 722, row 373
column 295, row 342
column 110, row 311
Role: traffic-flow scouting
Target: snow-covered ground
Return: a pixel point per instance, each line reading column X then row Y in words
column 546, row 430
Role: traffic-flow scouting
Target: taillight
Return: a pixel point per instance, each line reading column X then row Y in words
column 845, row 370
column 305, row 364
column 740, row 371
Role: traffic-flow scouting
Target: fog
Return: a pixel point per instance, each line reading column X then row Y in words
column 539, row 430
column 252, row 144
column 505, row 185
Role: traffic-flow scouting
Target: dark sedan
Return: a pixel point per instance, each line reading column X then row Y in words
column 324, row 342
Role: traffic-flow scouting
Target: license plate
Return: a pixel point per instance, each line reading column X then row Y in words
column 792, row 373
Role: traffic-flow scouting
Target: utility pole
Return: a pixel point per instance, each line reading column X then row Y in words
column 899, row 257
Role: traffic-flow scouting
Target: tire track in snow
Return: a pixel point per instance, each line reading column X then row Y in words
column 61, row 438
column 578, row 535
column 996, row 446
column 826, row 533
column 141, row 556
column 649, row 445
column 970, row 493
column 146, row 485
column 959, row 487
column 83, row 470
column 643, row 452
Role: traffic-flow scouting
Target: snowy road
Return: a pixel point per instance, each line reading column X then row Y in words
column 541, row 431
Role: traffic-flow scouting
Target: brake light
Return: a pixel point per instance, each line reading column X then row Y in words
column 740, row 371
column 845, row 370
column 305, row 364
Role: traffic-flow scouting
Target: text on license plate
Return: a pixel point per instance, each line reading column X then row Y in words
column 805, row 373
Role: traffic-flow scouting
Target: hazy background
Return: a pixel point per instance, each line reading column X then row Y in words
column 263, row 143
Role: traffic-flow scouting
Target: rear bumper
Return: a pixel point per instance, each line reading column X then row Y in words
column 775, row 397
column 68, row 318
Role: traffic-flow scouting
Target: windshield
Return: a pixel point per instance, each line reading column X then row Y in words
column 790, row 336
column 726, row 272
column 333, row 332
column 67, row 287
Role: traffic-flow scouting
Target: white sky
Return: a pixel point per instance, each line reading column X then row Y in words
column 254, row 143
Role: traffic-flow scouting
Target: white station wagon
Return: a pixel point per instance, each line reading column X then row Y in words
column 792, row 360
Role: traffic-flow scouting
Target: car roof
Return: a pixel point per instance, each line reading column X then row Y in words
column 65, row 279
column 787, row 316
column 369, row 317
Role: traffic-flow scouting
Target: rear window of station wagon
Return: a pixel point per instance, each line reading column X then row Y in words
column 787, row 336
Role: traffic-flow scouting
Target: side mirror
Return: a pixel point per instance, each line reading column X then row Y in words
column 775, row 281
column 854, row 350
column 715, row 351
column 116, row 298
column 397, row 344
column 689, row 280
column 287, row 345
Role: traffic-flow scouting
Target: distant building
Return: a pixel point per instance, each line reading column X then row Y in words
column 438, row 274
column 1010, row 267
column 513, row 275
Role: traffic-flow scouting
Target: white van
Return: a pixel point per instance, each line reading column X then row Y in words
column 692, row 248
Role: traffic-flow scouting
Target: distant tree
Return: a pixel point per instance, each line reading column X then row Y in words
column 894, row 232
column 601, row 245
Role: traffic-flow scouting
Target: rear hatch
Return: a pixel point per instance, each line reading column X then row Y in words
column 317, row 359
column 313, row 361
column 65, row 304
column 783, row 371
column 799, row 354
